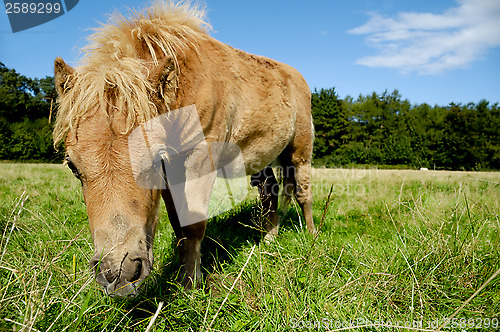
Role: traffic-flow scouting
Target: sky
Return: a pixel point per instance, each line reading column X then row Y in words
column 434, row 52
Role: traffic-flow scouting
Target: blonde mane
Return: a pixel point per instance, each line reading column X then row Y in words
column 117, row 63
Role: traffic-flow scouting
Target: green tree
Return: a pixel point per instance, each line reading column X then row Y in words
column 330, row 122
column 25, row 105
column 385, row 129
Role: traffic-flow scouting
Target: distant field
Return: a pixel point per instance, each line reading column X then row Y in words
column 408, row 249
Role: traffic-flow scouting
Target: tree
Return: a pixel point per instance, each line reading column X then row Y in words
column 330, row 122
column 385, row 129
column 25, row 131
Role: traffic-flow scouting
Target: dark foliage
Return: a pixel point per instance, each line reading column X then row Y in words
column 25, row 106
column 387, row 130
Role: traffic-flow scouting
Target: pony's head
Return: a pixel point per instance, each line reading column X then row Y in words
column 128, row 75
column 122, row 215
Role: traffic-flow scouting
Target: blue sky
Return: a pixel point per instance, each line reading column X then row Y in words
column 431, row 51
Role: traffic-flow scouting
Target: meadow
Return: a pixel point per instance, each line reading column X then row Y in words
column 396, row 250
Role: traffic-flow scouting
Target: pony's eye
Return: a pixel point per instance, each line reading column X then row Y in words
column 73, row 168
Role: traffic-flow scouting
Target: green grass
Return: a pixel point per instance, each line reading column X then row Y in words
column 394, row 246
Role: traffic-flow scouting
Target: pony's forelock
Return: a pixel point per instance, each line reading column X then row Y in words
column 116, row 66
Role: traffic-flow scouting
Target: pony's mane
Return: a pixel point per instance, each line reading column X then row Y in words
column 115, row 69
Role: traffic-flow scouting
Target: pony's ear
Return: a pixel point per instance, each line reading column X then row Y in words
column 164, row 75
column 63, row 76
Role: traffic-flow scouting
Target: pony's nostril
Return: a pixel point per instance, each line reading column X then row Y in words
column 95, row 265
column 102, row 273
column 138, row 270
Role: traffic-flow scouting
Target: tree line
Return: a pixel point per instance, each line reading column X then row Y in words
column 384, row 129
column 25, row 111
column 376, row 129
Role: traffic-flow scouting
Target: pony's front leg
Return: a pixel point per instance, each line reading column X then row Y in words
column 188, row 243
column 190, row 255
column 200, row 178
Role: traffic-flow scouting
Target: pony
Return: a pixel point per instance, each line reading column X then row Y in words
column 155, row 61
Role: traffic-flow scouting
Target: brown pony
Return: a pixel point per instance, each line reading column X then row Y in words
column 157, row 61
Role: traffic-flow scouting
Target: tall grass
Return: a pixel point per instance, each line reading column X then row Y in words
column 394, row 248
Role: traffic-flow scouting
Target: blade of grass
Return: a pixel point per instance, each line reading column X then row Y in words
column 232, row 287
column 493, row 276
column 153, row 319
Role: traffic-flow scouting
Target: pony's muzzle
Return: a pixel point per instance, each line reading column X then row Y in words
column 120, row 278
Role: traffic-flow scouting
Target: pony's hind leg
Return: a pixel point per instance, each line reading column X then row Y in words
column 288, row 182
column 297, row 161
column 268, row 188
column 303, row 194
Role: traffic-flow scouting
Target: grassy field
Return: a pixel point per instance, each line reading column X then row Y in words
column 405, row 249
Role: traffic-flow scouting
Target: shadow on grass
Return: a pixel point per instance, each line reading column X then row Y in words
column 225, row 236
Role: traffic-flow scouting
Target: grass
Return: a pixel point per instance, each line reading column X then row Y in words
column 395, row 247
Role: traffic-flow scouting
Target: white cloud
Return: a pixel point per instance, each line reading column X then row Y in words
column 432, row 43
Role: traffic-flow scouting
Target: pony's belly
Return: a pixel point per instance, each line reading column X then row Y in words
column 262, row 152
